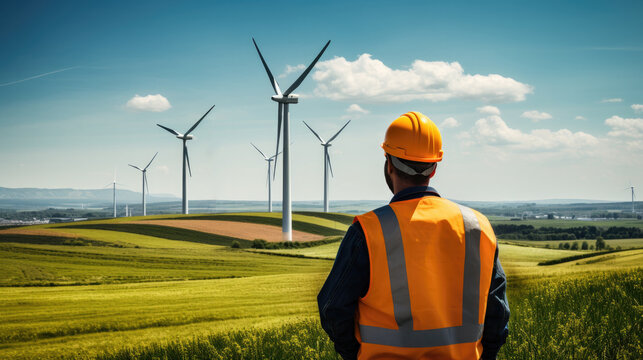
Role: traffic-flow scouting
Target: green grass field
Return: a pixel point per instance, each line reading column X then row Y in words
column 327, row 251
column 132, row 290
column 623, row 243
column 561, row 223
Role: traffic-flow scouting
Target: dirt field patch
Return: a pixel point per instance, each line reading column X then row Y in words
column 235, row 229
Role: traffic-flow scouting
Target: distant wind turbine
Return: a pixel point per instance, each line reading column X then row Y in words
column 633, row 196
column 327, row 164
column 269, row 161
column 186, row 159
column 113, row 185
column 283, row 100
column 145, row 184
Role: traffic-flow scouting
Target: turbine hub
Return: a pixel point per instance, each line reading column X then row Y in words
column 290, row 99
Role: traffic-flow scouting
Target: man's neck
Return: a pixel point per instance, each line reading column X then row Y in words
column 401, row 185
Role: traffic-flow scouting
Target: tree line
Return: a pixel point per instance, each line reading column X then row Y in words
column 529, row 232
column 600, row 244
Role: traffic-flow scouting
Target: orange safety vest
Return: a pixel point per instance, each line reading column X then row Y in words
column 431, row 262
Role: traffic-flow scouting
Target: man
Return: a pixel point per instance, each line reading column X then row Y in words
column 419, row 278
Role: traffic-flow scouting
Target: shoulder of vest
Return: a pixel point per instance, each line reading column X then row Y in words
column 480, row 215
column 374, row 211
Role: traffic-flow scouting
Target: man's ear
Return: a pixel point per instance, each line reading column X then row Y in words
column 433, row 173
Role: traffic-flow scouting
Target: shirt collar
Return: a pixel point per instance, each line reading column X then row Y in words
column 414, row 193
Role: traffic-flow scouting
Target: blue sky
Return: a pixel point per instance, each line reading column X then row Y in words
column 535, row 100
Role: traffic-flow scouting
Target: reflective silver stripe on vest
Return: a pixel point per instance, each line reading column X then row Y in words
column 405, row 336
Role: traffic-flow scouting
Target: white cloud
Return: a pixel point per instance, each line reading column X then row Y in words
column 449, row 122
column 156, row 103
column 489, row 110
column 291, row 69
column 613, row 100
column 493, row 131
column 629, row 128
column 356, row 109
column 637, row 107
column 370, row 79
column 535, row 115
column 579, row 117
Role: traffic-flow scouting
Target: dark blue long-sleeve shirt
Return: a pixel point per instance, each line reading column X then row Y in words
column 349, row 280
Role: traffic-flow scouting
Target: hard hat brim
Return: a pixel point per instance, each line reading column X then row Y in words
column 401, row 153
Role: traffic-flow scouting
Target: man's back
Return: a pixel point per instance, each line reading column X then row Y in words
column 420, row 277
column 429, row 260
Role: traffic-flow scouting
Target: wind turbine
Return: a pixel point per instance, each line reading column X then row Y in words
column 113, row 185
column 269, row 160
column 186, row 159
column 633, row 196
column 145, row 185
column 284, row 100
column 327, row 164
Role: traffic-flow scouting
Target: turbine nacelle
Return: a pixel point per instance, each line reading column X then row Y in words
column 185, row 137
column 286, row 99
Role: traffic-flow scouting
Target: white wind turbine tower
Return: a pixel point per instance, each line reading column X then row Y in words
column 113, row 185
column 186, row 159
column 145, row 185
column 269, row 161
column 633, row 196
column 327, row 164
column 283, row 100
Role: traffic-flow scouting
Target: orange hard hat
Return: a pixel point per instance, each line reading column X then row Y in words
column 413, row 136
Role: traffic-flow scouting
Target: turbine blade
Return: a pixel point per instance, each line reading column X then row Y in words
column 279, row 115
column 268, row 175
column 311, row 129
column 168, row 129
column 187, row 157
column 198, row 122
column 260, row 152
column 108, row 185
column 273, row 82
column 148, row 164
column 277, row 154
column 340, row 130
column 305, row 73
column 330, row 165
column 135, row 167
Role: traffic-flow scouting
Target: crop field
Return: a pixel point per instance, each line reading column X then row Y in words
column 328, row 251
column 127, row 288
column 562, row 223
column 623, row 243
